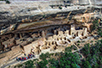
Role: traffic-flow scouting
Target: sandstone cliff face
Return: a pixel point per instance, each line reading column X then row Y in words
column 19, row 12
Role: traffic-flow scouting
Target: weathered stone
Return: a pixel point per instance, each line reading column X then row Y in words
column 43, row 47
column 67, row 32
column 50, row 38
column 53, row 47
column 60, row 33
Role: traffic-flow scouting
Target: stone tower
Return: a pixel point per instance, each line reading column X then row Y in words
column 72, row 29
column 85, row 32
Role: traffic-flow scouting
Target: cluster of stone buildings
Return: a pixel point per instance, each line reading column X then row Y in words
column 56, row 33
column 58, row 38
column 52, row 38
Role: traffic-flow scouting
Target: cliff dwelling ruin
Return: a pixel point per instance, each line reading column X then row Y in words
column 40, row 27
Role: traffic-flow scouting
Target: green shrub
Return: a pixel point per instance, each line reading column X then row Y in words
column 47, row 55
column 14, row 66
column 60, row 7
column 95, row 25
column 78, row 41
column 56, row 54
column 68, row 49
column 43, row 16
column 74, row 47
column 8, row 2
column 51, row 54
column 86, row 64
column 91, row 41
column 78, row 44
column 83, row 41
column 69, row 60
column 29, row 64
column 20, row 65
column 44, row 56
column 43, row 64
column 100, row 33
column 86, row 49
column 35, row 60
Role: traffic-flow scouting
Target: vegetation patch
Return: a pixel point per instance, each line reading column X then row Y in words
column 7, row 1
column 60, row 7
